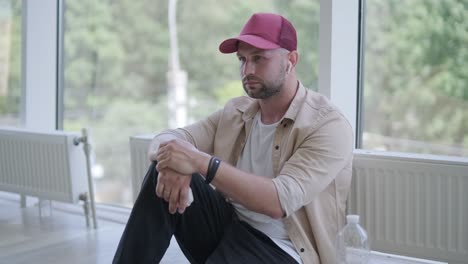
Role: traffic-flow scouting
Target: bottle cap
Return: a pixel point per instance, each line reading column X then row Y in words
column 352, row 219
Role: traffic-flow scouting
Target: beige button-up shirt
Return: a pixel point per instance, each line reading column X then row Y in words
column 312, row 158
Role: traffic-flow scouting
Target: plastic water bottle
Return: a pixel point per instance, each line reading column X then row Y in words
column 352, row 244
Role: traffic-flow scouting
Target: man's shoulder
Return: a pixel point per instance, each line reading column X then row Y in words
column 316, row 101
column 319, row 108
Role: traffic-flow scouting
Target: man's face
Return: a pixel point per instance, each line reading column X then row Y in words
column 262, row 71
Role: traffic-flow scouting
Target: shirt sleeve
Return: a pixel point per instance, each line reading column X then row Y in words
column 317, row 161
column 201, row 134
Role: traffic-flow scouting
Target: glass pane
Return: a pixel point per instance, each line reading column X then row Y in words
column 10, row 63
column 415, row 76
column 117, row 70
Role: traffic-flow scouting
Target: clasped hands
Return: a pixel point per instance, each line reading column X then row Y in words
column 176, row 162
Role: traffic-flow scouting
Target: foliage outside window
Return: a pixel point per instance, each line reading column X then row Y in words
column 10, row 63
column 116, row 57
column 416, row 81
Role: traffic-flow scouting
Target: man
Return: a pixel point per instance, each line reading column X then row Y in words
column 279, row 160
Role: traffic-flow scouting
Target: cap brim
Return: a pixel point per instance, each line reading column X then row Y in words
column 230, row 45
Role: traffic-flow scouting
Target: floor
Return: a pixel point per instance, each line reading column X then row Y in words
column 59, row 236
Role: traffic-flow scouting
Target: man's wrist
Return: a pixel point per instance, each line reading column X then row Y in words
column 202, row 163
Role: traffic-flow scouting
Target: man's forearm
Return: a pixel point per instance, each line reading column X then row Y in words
column 256, row 193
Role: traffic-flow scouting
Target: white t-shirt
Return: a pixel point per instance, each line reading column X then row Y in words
column 256, row 158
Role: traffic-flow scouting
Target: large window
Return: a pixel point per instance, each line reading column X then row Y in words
column 122, row 66
column 10, row 63
column 415, row 76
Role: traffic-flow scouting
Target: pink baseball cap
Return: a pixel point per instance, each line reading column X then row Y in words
column 264, row 31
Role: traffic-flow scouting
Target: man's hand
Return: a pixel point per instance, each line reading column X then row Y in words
column 154, row 145
column 181, row 156
column 174, row 188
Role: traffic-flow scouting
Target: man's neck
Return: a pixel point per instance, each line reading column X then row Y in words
column 275, row 107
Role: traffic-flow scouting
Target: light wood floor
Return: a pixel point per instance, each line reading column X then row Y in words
column 59, row 237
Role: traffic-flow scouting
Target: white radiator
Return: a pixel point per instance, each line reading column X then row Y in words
column 139, row 160
column 45, row 165
column 413, row 205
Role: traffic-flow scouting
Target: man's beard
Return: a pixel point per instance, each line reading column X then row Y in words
column 267, row 89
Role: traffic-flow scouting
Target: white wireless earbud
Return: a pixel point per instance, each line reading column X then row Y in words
column 289, row 67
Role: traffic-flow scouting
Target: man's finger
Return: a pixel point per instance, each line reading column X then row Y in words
column 162, row 148
column 159, row 189
column 183, row 200
column 162, row 164
column 161, row 155
column 173, row 201
column 163, row 161
column 167, row 194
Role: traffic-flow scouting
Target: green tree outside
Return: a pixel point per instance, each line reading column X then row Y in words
column 416, row 86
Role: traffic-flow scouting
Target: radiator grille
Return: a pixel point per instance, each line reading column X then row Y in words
column 46, row 165
column 412, row 206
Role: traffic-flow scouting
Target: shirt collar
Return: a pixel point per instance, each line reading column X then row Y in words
column 296, row 103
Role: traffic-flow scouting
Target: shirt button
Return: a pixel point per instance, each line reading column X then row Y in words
column 302, row 249
column 276, row 147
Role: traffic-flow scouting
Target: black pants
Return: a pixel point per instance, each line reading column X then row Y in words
column 207, row 232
